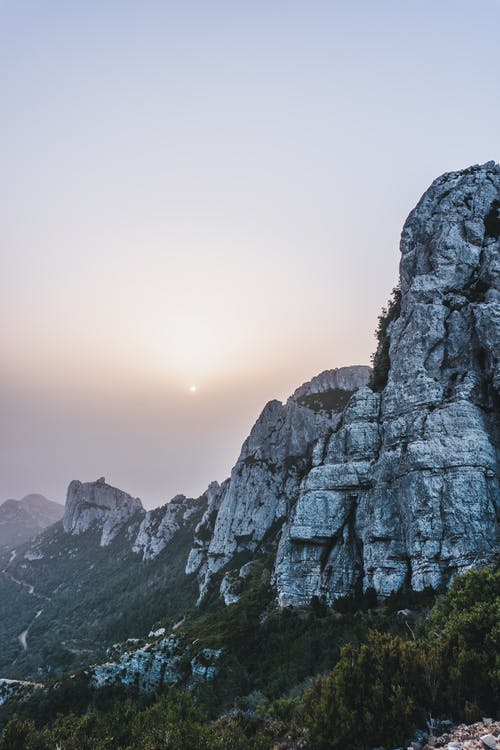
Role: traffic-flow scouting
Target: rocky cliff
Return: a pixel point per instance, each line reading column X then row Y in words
column 251, row 505
column 389, row 486
column 161, row 524
column 405, row 491
column 385, row 479
column 99, row 506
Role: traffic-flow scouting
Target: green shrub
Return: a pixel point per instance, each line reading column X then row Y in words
column 365, row 700
column 381, row 360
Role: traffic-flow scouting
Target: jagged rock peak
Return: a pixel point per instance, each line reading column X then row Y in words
column 249, row 507
column 99, row 506
column 406, row 491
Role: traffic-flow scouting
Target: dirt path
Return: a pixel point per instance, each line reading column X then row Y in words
column 23, row 637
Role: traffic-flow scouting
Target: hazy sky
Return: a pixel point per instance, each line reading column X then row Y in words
column 209, row 194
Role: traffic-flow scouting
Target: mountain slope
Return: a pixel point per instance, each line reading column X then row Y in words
column 348, row 487
column 21, row 520
column 68, row 596
column 110, row 570
column 251, row 506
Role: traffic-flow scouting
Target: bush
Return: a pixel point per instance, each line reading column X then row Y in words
column 365, row 700
column 381, row 361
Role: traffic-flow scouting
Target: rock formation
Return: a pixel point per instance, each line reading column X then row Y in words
column 99, row 506
column 405, row 491
column 167, row 661
column 159, row 525
column 251, row 505
column 388, row 486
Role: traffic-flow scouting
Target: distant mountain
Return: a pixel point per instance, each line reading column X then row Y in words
column 20, row 520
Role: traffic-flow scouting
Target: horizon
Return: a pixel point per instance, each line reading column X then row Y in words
column 202, row 210
column 90, row 480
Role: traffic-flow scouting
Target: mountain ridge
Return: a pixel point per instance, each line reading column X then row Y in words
column 22, row 519
column 363, row 483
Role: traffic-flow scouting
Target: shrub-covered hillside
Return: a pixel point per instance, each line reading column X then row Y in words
column 378, row 674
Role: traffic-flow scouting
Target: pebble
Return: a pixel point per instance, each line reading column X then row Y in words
column 489, row 741
column 484, row 735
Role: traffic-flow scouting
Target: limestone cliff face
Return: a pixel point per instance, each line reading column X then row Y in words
column 159, row 525
column 101, row 507
column 264, row 483
column 406, row 489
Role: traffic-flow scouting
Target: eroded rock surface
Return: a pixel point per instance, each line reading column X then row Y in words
column 405, row 491
column 164, row 662
column 251, row 505
column 99, row 506
column 159, row 525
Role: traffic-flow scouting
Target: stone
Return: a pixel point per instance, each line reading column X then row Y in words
column 405, row 490
column 101, row 507
column 489, row 741
column 147, row 668
column 160, row 525
column 204, row 664
column 168, row 661
column 230, row 588
column 253, row 503
column 16, row 689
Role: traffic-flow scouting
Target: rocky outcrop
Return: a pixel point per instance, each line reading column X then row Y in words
column 147, row 667
column 198, row 557
column 161, row 524
column 101, row 507
column 250, row 507
column 164, row 662
column 16, row 689
column 405, row 490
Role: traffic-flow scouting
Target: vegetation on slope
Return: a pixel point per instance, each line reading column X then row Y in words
column 334, row 399
column 381, row 361
column 90, row 597
column 381, row 675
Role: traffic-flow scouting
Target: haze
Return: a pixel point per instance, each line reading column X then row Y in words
column 201, row 206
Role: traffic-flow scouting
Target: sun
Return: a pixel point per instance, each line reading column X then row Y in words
column 193, row 388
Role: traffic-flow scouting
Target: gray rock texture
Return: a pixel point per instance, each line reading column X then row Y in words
column 405, row 492
column 159, row 525
column 147, row 667
column 16, row 689
column 251, row 505
column 164, row 662
column 101, row 507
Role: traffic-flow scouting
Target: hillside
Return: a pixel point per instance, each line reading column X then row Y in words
column 21, row 520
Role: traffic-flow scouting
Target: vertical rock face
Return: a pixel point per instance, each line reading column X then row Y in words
column 99, row 506
column 405, row 492
column 159, row 525
column 252, row 504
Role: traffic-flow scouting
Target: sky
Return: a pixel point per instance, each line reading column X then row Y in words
column 201, row 205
